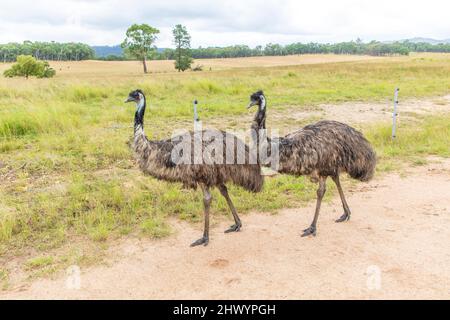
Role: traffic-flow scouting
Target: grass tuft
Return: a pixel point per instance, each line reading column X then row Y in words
column 39, row 262
column 155, row 228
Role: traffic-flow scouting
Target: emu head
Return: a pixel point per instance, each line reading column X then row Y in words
column 258, row 99
column 136, row 96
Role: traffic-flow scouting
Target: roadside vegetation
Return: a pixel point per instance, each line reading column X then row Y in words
column 67, row 174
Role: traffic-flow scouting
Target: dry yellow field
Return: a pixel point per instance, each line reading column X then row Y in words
column 275, row 61
column 72, row 69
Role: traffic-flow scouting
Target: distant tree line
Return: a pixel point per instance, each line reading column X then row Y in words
column 46, row 51
column 426, row 47
column 79, row 51
column 357, row 47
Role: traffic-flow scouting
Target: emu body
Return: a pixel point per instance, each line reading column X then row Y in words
column 321, row 150
column 155, row 158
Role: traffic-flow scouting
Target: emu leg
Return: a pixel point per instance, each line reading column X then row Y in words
column 347, row 213
column 237, row 222
column 206, row 203
column 320, row 192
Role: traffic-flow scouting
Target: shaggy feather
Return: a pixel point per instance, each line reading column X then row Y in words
column 326, row 148
column 154, row 158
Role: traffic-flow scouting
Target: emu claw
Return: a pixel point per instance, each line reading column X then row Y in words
column 309, row 231
column 344, row 217
column 203, row 240
column 234, row 228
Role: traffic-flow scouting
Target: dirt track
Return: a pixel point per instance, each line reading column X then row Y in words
column 395, row 246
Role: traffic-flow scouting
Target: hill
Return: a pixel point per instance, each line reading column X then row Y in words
column 428, row 40
column 104, row 51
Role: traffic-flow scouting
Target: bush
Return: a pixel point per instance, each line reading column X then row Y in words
column 26, row 66
column 197, row 68
column 47, row 71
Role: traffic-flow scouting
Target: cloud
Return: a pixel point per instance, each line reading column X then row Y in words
column 225, row 22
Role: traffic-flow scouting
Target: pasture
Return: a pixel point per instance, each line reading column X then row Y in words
column 68, row 183
column 128, row 68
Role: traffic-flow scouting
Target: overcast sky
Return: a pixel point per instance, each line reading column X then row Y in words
column 220, row 23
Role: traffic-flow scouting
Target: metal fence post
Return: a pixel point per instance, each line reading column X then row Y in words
column 395, row 113
column 197, row 125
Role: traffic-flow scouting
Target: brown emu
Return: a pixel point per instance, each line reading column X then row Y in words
column 156, row 158
column 321, row 150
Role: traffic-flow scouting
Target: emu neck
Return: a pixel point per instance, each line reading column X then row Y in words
column 259, row 122
column 141, row 145
column 259, row 133
column 139, row 116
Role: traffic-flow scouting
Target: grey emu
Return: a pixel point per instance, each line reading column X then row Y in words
column 321, row 150
column 155, row 158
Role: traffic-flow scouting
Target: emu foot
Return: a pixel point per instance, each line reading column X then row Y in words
column 344, row 217
column 310, row 231
column 234, row 228
column 204, row 241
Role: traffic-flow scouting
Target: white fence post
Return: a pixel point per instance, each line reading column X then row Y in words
column 197, row 124
column 394, row 114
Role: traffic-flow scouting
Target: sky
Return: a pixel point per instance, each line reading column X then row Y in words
column 221, row 23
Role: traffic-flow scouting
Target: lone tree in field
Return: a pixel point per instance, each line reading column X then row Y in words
column 27, row 66
column 139, row 42
column 182, row 41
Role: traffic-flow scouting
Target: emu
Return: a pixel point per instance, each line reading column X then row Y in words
column 321, row 150
column 155, row 158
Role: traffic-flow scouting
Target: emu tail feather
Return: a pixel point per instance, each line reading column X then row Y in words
column 247, row 175
column 250, row 178
column 363, row 167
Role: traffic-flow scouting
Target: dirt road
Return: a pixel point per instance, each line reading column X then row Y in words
column 397, row 245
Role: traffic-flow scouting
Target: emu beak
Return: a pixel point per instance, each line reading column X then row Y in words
column 129, row 99
column 251, row 104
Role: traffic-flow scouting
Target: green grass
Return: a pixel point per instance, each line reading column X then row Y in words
column 68, row 173
column 48, row 263
column 57, row 107
column 39, row 262
column 155, row 227
column 107, row 205
column 431, row 136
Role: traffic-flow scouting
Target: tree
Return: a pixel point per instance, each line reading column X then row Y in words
column 182, row 41
column 28, row 66
column 139, row 42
